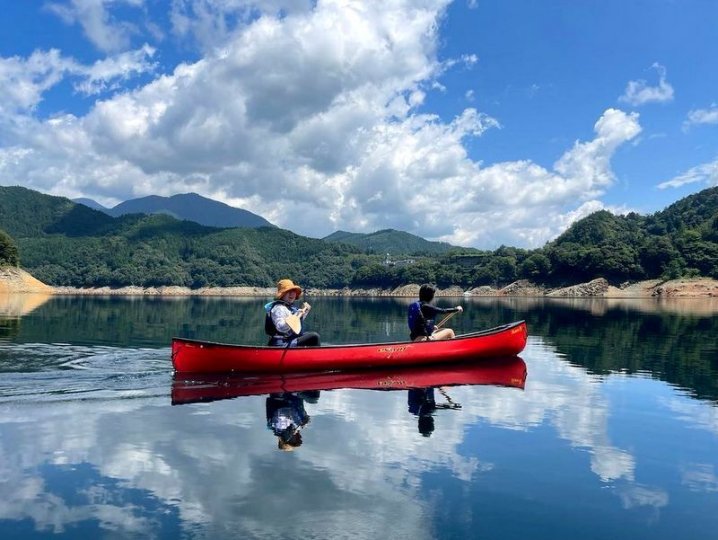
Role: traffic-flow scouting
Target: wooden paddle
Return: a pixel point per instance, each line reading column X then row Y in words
column 437, row 326
column 452, row 403
column 441, row 323
column 294, row 321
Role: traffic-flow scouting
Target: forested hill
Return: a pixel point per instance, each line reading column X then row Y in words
column 27, row 213
column 390, row 241
column 63, row 243
column 680, row 240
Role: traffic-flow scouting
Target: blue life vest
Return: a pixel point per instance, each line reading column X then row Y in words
column 418, row 324
column 416, row 317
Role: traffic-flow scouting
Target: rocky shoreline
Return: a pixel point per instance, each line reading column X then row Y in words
column 699, row 287
column 15, row 280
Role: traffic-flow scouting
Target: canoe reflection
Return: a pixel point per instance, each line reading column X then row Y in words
column 287, row 394
column 193, row 388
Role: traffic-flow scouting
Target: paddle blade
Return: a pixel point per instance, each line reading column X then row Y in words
column 295, row 323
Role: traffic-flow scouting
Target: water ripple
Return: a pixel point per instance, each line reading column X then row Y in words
column 60, row 371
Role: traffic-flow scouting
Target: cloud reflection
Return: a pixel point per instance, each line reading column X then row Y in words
column 363, row 466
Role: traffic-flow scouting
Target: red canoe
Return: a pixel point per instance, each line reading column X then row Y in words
column 190, row 356
column 495, row 371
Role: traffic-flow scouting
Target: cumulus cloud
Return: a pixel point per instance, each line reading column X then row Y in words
column 310, row 117
column 101, row 27
column 706, row 173
column 701, row 116
column 639, row 92
column 210, row 22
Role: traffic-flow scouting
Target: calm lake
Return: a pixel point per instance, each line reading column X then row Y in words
column 613, row 435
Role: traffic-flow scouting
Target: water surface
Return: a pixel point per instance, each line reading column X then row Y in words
column 615, row 432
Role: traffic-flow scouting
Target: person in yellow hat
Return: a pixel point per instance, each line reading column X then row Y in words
column 281, row 315
column 286, row 417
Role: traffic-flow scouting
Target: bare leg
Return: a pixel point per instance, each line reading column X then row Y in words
column 444, row 333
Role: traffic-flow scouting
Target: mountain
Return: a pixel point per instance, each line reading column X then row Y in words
column 390, row 241
column 192, row 207
column 91, row 204
column 64, row 243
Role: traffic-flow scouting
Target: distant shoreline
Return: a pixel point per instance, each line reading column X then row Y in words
column 598, row 288
column 15, row 280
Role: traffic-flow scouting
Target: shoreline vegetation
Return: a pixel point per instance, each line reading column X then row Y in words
column 16, row 280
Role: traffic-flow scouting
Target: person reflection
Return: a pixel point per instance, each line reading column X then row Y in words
column 286, row 417
column 423, row 404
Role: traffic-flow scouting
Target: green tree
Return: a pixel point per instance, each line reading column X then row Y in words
column 8, row 250
column 536, row 267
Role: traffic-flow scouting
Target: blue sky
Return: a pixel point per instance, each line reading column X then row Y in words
column 478, row 122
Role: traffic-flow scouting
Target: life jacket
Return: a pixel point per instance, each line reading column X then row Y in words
column 269, row 327
column 416, row 317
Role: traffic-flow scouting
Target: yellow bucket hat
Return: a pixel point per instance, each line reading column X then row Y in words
column 286, row 285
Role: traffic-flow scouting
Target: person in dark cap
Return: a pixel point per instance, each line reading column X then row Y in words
column 423, row 405
column 422, row 315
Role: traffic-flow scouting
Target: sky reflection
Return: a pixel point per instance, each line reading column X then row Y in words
column 90, row 446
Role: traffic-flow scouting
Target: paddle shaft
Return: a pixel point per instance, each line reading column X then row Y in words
column 441, row 323
column 453, row 404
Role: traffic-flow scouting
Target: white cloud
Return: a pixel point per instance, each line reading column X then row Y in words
column 107, row 74
column 24, row 80
column 309, row 119
column 706, row 173
column 100, row 26
column 639, row 93
column 702, row 116
column 210, row 22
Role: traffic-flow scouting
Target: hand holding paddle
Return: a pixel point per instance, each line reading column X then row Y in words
column 294, row 321
column 459, row 309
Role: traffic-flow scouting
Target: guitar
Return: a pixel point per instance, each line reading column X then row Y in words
column 294, row 321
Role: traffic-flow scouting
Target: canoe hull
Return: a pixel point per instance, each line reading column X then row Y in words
column 193, row 388
column 191, row 356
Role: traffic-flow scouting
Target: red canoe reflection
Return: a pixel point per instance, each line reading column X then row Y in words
column 192, row 388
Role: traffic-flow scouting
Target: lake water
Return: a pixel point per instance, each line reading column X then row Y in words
column 613, row 435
